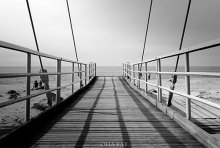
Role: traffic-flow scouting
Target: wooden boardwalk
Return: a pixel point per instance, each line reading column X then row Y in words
column 111, row 114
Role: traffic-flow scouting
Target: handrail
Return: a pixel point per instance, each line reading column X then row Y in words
column 88, row 68
column 16, row 75
column 132, row 73
column 202, row 46
column 207, row 74
column 27, row 50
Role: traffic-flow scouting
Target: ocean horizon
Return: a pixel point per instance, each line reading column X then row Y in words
column 106, row 70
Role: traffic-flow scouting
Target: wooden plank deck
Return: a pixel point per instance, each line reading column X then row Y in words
column 111, row 114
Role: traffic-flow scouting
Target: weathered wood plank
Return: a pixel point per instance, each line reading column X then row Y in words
column 108, row 115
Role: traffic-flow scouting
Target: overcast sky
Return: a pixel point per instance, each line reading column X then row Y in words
column 108, row 32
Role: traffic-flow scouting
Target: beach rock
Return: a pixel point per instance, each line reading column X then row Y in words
column 12, row 92
column 14, row 96
column 1, row 96
column 153, row 91
column 40, row 106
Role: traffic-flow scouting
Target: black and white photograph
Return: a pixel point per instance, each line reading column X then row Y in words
column 109, row 73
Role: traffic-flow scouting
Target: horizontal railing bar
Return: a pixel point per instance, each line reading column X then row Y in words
column 91, row 74
column 152, row 72
column 3, row 104
column 142, row 81
column 15, row 75
column 27, row 50
column 181, row 94
column 70, row 61
column 192, row 97
column 207, row 74
column 148, row 61
column 202, row 46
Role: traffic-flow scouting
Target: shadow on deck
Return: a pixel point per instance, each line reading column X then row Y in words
column 108, row 114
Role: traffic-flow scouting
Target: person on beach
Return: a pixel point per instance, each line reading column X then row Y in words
column 149, row 76
column 35, row 84
column 41, row 84
column 45, row 80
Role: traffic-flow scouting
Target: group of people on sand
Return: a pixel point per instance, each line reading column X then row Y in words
column 38, row 85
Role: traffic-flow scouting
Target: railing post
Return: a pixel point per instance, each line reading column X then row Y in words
column 126, row 70
column 73, row 78
column 130, row 71
column 89, row 71
column 146, row 77
column 133, row 74
column 80, row 75
column 138, row 76
column 92, row 65
column 159, row 82
column 123, row 70
column 58, row 79
column 95, row 69
column 187, row 79
column 85, row 74
column 28, row 85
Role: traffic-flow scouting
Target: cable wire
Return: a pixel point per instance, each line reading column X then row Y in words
column 145, row 38
column 72, row 30
column 174, row 80
column 33, row 29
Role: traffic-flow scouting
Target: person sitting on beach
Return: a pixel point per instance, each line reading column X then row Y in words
column 35, row 84
column 41, row 85
column 149, row 76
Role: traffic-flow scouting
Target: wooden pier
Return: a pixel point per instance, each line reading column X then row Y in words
column 112, row 114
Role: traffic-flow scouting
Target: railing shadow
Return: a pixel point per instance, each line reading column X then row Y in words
column 124, row 131
column 81, row 140
column 147, row 113
column 42, row 129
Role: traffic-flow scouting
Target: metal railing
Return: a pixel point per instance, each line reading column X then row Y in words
column 89, row 73
column 133, row 75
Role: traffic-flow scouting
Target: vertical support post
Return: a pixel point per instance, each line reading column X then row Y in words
column 28, row 85
column 95, row 69
column 134, row 74
column 187, row 79
column 92, row 71
column 123, row 69
column 80, row 75
column 85, row 74
column 58, row 79
column 146, row 77
column 130, row 71
column 73, row 78
column 159, row 82
column 126, row 70
column 138, row 76
column 89, row 71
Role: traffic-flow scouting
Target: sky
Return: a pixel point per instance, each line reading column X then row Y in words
column 108, row 32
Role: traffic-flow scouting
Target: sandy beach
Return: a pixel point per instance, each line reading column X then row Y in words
column 14, row 115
